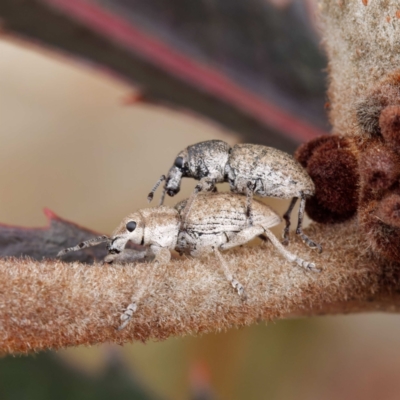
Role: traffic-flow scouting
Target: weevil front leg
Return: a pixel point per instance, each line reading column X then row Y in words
column 129, row 256
column 299, row 230
column 162, row 254
column 135, row 299
column 206, row 184
column 162, row 257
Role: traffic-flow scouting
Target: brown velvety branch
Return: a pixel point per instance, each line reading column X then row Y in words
column 55, row 304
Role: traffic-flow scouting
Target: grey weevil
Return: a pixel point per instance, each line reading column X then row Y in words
column 218, row 221
column 249, row 169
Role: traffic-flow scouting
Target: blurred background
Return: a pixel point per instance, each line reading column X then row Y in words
column 96, row 100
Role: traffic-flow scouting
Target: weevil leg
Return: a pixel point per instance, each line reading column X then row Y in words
column 162, row 257
column 88, row 243
column 155, row 187
column 162, row 198
column 206, row 184
column 162, row 254
column 126, row 316
column 243, row 237
column 249, row 202
column 231, row 279
column 287, row 254
column 129, row 256
column 286, row 217
column 299, row 230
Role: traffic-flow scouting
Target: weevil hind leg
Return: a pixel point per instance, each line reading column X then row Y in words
column 287, row 254
column 286, row 217
column 243, row 237
column 249, row 202
column 299, row 230
column 228, row 274
column 83, row 245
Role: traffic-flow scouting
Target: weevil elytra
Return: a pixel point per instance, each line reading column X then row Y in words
column 249, row 169
column 217, row 221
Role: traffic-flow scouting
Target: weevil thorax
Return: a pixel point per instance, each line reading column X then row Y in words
column 161, row 226
column 208, row 159
column 148, row 226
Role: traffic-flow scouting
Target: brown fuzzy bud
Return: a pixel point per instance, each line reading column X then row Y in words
column 317, row 212
column 334, row 171
column 306, row 150
column 379, row 167
column 368, row 110
column 389, row 210
column 389, row 122
column 384, row 239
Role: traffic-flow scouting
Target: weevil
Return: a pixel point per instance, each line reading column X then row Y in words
column 250, row 169
column 218, row 221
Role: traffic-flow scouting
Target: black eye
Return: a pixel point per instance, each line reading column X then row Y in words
column 179, row 162
column 131, row 226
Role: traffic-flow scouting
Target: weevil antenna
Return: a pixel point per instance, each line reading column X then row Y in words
column 158, row 183
column 88, row 243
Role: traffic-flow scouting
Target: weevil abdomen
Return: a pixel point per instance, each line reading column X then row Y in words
column 212, row 213
column 271, row 172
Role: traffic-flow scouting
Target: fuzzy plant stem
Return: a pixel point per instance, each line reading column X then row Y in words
column 55, row 304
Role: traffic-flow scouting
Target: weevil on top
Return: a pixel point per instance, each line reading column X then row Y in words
column 217, row 221
column 250, row 169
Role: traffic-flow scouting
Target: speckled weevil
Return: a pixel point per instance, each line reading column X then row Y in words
column 249, row 169
column 217, row 221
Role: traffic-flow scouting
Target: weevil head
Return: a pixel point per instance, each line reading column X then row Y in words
column 176, row 173
column 200, row 160
column 130, row 229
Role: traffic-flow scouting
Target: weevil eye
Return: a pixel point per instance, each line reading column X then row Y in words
column 179, row 162
column 131, row 226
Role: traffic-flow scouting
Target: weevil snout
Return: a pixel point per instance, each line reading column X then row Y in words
column 173, row 192
column 116, row 245
column 173, row 183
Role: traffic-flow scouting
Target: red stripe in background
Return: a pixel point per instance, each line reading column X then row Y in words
column 182, row 67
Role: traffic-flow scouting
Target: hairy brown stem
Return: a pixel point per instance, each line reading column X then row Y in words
column 54, row 304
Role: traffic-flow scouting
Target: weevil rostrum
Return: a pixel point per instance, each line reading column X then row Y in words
column 249, row 169
column 217, row 221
